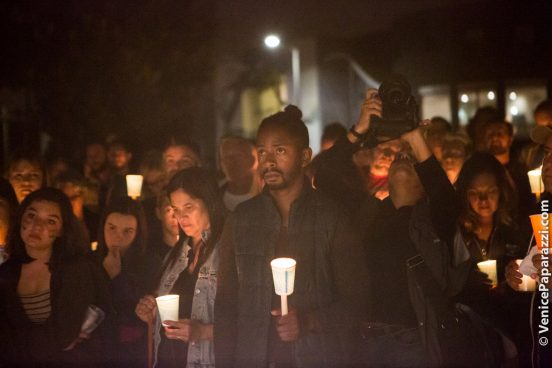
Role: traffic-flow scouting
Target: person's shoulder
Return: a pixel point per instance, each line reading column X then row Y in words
column 252, row 204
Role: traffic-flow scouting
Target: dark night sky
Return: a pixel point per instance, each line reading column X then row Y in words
column 82, row 68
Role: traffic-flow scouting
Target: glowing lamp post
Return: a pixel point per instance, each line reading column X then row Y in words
column 134, row 185
column 535, row 179
column 272, row 41
column 283, row 272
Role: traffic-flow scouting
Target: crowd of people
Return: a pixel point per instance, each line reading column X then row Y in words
column 387, row 236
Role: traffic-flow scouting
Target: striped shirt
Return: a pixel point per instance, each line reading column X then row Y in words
column 37, row 306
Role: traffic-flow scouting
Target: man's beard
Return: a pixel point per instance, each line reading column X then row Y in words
column 496, row 149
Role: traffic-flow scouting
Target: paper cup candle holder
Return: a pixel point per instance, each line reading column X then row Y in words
column 134, row 185
column 167, row 305
column 283, row 272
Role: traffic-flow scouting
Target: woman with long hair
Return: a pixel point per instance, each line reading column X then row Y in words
column 49, row 288
column 190, row 270
column 487, row 229
column 129, row 269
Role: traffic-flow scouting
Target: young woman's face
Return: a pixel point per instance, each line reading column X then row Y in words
column 168, row 219
column 41, row 224
column 483, row 195
column 191, row 213
column 120, row 230
column 25, row 177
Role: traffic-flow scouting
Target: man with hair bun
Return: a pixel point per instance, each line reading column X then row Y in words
column 288, row 219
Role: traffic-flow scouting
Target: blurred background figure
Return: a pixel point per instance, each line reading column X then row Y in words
column 180, row 153
column 434, row 135
column 26, row 173
column 498, row 138
column 151, row 168
column 73, row 184
column 95, row 163
column 119, row 158
column 5, row 220
column 239, row 163
column 331, row 134
column 373, row 165
column 532, row 155
column 476, row 126
column 56, row 167
column 454, row 152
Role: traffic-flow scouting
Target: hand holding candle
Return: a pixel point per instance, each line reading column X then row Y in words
column 489, row 267
column 283, row 273
column 167, row 305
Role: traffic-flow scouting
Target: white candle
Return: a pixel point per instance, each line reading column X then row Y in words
column 134, row 185
column 167, row 305
column 283, row 273
column 535, row 179
column 489, row 267
column 527, row 282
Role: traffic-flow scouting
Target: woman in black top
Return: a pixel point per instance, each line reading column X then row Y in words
column 129, row 268
column 48, row 287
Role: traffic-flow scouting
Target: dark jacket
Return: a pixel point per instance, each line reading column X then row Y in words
column 329, row 281
column 73, row 288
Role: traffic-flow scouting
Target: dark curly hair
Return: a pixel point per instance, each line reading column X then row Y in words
column 484, row 163
column 69, row 245
column 290, row 120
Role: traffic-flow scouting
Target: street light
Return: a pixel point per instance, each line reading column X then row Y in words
column 272, row 41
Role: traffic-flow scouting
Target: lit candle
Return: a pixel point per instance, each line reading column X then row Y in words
column 283, row 272
column 535, row 179
column 489, row 267
column 94, row 246
column 134, row 185
column 527, row 282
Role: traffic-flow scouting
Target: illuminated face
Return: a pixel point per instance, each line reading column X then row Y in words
column 176, row 158
column 281, row 160
column 497, row 139
column 382, row 157
column 454, row 156
column 25, row 177
column 402, row 175
column 120, row 231
column 168, row 220
column 237, row 159
column 41, row 224
column 483, row 195
column 191, row 214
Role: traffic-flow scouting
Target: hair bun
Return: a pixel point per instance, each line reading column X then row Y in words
column 293, row 111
